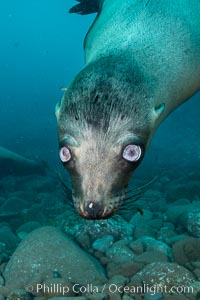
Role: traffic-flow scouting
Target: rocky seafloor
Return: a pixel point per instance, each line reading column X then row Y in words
column 150, row 252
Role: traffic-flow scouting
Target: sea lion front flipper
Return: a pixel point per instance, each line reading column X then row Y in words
column 86, row 7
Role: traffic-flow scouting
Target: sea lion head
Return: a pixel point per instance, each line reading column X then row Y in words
column 104, row 128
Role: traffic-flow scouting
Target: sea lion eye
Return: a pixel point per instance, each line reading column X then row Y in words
column 132, row 152
column 65, row 154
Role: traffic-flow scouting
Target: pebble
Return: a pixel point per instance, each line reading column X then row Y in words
column 138, row 218
column 8, row 238
column 104, row 243
column 151, row 244
column 186, row 250
column 19, row 294
column 193, row 223
column 151, row 256
column 14, row 205
column 120, row 253
column 28, row 227
column 144, row 229
column 163, row 273
column 1, row 280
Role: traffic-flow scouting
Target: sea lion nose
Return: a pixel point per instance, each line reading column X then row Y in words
column 93, row 209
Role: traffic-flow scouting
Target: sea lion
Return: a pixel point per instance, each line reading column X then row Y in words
column 12, row 163
column 142, row 61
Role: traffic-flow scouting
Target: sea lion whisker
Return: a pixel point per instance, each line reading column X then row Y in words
column 133, row 195
column 67, row 200
column 65, row 188
column 132, row 198
column 62, row 181
column 144, row 186
column 66, row 191
column 129, row 208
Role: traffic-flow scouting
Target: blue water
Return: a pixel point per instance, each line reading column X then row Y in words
column 41, row 51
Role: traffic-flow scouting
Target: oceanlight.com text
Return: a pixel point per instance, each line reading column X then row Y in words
column 63, row 290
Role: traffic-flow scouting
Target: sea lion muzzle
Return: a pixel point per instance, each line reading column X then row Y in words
column 99, row 171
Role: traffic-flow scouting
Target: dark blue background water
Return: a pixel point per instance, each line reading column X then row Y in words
column 41, row 51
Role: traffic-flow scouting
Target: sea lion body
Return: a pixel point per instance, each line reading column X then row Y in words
column 142, row 61
column 161, row 37
column 14, row 164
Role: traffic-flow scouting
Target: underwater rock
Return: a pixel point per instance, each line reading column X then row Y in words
column 85, row 230
column 154, row 198
column 103, row 243
column 175, row 238
column 110, row 287
column 151, row 244
column 141, row 222
column 52, row 204
column 137, row 247
column 197, row 273
column 28, row 227
column 84, row 241
column 176, row 190
column 19, row 295
column 45, row 250
column 196, row 290
column 126, row 269
column 164, row 274
column 144, row 230
column 120, row 253
column 138, row 218
column 196, row 264
column 175, row 211
column 1, row 280
column 151, row 256
column 13, row 205
column 182, row 201
column 4, row 257
column 8, row 184
column 8, row 238
column 40, row 184
column 168, row 225
column 36, row 214
column 191, row 220
column 118, row 280
column 165, row 233
column 100, row 256
column 2, row 245
column 185, row 217
column 186, row 250
column 2, row 267
column 156, row 223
